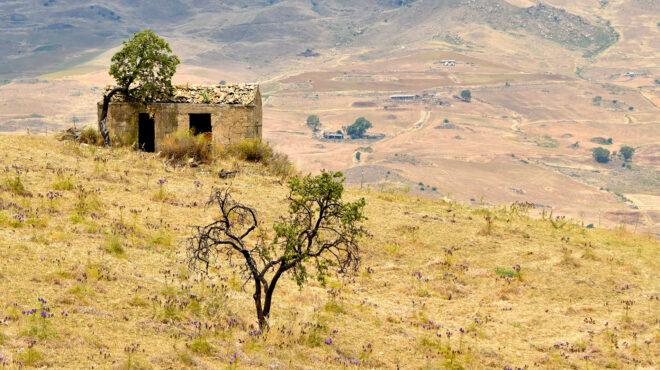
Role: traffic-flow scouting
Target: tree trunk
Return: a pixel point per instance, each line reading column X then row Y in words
column 271, row 289
column 103, row 129
column 263, row 319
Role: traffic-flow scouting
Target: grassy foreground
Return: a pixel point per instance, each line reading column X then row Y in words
column 93, row 274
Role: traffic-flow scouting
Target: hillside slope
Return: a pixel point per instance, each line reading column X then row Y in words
column 437, row 287
column 44, row 37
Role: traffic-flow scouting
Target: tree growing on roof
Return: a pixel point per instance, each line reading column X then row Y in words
column 143, row 71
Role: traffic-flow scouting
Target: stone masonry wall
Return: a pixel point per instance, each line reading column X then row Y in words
column 230, row 123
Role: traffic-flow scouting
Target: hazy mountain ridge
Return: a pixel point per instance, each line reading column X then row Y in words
column 262, row 31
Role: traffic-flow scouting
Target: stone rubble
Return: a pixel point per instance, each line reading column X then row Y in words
column 234, row 94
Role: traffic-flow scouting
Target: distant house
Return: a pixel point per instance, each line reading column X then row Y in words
column 403, row 97
column 309, row 53
column 225, row 113
column 333, row 135
column 374, row 136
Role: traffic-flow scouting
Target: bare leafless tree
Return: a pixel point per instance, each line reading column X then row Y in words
column 319, row 230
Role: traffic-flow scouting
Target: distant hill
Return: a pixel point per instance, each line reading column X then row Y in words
column 39, row 37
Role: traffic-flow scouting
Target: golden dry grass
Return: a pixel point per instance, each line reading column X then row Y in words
column 109, row 263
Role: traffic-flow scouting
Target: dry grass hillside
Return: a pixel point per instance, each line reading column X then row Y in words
column 93, row 274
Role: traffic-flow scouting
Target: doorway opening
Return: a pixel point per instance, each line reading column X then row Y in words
column 200, row 123
column 146, row 133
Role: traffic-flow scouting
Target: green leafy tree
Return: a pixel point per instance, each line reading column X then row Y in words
column 358, row 128
column 314, row 122
column 466, row 95
column 601, row 155
column 627, row 152
column 320, row 230
column 143, row 71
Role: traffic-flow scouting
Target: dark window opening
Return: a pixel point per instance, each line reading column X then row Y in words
column 201, row 124
column 146, row 133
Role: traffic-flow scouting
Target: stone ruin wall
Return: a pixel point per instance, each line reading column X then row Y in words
column 230, row 123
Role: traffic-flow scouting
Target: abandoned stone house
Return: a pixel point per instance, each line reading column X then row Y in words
column 225, row 113
column 337, row 135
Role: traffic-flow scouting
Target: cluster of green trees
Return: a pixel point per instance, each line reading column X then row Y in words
column 358, row 128
column 355, row 130
column 602, row 155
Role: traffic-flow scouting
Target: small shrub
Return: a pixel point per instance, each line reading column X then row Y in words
column 313, row 122
column 162, row 194
column 601, row 140
column 15, row 185
column 63, row 183
column 508, row 272
column 206, row 98
column 488, row 229
column 77, row 218
column 182, row 146
column 392, row 248
column 627, row 152
column 466, row 95
column 90, row 136
column 114, row 245
column 162, row 238
column 334, row 307
column 39, row 328
column 601, row 155
column 187, row 359
column 279, row 165
column 255, row 150
column 168, row 313
column 314, row 339
column 81, row 291
column 30, row 356
column 251, row 150
column 201, row 346
column 86, row 201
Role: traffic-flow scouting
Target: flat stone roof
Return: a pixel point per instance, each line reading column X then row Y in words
column 234, row 94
